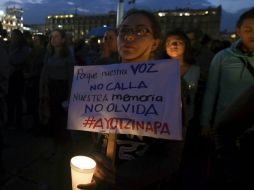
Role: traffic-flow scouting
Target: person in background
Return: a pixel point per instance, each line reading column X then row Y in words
column 4, row 75
column 28, row 37
column 138, row 38
column 18, row 60
column 109, row 53
column 55, row 83
column 80, row 51
column 4, row 80
column 55, row 86
column 203, row 57
column 234, row 132
column 32, row 76
column 231, row 72
column 218, row 45
column 178, row 47
column 70, row 42
column 93, row 52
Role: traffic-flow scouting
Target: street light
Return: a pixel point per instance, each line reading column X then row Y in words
column 120, row 10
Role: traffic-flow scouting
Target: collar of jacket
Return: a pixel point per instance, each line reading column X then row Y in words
column 239, row 46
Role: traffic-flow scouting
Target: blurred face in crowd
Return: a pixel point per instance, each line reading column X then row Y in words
column 37, row 41
column 175, row 47
column 135, row 39
column 110, row 40
column 13, row 37
column 56, row 39
column 246, row 33
column 191, row 36
column 16, row 36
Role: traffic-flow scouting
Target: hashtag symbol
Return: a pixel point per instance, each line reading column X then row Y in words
column 89, row 122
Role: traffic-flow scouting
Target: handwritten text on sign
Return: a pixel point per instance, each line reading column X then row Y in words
column 133, row 98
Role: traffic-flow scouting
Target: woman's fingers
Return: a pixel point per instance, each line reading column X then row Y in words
column 104, row 173
column 105, row 161
column 89, row 186
column 105, row 169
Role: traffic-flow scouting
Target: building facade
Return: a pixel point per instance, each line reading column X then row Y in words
column 79, row 25
column 12, row 19
column 207, row 20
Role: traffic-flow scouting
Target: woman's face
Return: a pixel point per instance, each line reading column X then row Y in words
column 110, row 40
column 135, row 39
column 175, row 47
column 36, row 41
column 56, row 39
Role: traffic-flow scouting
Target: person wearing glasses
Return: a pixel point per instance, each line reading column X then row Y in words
column 138, row 39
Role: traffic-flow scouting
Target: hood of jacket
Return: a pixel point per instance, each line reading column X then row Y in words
column 236, row 50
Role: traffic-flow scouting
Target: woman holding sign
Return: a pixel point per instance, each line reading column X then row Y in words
column 140, row 162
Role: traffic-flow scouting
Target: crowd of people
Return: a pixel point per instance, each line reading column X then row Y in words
column 217, row 80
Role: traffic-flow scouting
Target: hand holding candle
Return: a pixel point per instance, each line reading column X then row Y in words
column 82, row 169
column 103, row 174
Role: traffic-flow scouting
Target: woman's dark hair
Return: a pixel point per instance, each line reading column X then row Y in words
column 151, row 17
column 246, row 15
column 187, row 56
column 65, row 51
column 42, row 38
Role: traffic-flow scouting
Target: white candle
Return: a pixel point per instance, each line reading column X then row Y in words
column 82, row 169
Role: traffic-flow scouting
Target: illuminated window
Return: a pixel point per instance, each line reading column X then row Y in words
column 161, row 14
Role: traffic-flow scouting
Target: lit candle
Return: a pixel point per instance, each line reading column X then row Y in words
column 82, row 169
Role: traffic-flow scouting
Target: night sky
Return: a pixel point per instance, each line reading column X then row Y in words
column 35, row 11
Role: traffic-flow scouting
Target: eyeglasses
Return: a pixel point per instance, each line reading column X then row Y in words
column 138, row 32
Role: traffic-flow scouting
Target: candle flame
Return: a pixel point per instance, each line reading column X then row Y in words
column 83, row 162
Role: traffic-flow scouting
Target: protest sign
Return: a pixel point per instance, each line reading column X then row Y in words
column 133, row 98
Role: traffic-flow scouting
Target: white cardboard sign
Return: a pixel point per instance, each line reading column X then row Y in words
column 132, row 98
